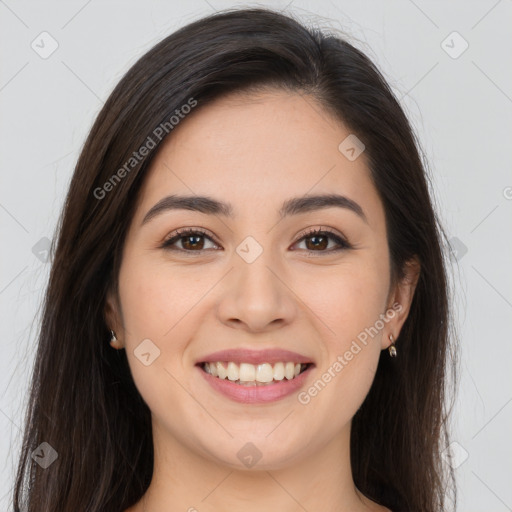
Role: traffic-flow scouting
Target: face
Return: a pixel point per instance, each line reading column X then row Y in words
column 263, row 286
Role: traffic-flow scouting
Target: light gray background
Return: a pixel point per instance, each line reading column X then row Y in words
column 461, row 108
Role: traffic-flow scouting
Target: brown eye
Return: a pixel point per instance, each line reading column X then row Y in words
column 317, row 240
column 192, row 240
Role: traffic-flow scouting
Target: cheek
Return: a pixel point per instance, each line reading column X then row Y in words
column 343, row 387
column 351, row 351
column 156, row 297
column 349, row 302
column 348, row 299
column 158, row 312
column 163, row 304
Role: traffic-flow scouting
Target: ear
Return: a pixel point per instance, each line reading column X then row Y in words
column 400, row 300
column 113, row 317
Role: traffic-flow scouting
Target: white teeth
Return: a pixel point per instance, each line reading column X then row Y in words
column 265, row 373
column 289, row 371
column 233, row 373
column 249, row 374
column 221, row 371
column 279, row 371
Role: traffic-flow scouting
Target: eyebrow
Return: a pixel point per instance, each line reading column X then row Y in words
column 293, row 206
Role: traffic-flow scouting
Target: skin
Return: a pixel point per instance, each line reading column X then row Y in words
column 255, row 151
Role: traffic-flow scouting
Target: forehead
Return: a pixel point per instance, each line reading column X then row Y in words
column 258, row 148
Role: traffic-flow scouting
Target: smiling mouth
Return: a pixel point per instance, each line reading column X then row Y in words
column 253, row 375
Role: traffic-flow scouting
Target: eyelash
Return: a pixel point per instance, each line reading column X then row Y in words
column 184, row 232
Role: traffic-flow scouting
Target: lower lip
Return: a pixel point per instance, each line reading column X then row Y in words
column 257, row 394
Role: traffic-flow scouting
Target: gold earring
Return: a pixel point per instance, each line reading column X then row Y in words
column 114, row 343
column 392, row 348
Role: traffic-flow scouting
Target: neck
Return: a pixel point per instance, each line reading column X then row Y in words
column 184, row 480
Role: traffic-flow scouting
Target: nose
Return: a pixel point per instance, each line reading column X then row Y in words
column 256, row 296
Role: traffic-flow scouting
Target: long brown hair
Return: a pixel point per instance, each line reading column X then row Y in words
column 83, row 401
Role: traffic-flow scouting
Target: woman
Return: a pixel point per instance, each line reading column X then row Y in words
column 249, row 225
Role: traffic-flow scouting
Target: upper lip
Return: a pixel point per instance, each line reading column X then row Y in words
column 255, row 356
